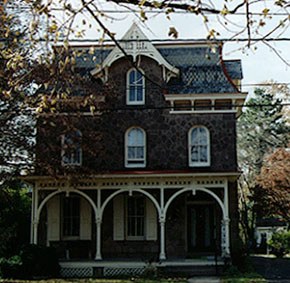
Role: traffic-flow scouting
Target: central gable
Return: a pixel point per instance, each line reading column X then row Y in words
column 135, row 43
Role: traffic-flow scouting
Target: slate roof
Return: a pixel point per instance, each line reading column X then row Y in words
column 201, row 70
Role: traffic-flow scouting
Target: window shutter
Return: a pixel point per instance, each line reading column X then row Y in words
column 118, row 203
column 85, row 220
column 53, row 219
column 151, row 221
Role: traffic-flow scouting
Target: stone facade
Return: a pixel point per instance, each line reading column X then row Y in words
column 166, row 134
column 184, row 201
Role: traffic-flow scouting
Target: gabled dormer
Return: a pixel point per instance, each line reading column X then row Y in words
column 135, row 43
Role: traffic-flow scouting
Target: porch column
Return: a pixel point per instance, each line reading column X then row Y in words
column 225, row 235
column 98, row 239
column 162, row 255
column 98, row 226
column 35, row 228
column 226, row 221
column 162, row 219
column 34, row 217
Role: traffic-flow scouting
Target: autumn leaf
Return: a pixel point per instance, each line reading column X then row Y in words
column 173, row 32
column 265, row 12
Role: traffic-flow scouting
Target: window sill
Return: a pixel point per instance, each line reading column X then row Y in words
column 131, row 239
column 71, row 165
column 135, row 165
column 199, row 165
column 70, row 238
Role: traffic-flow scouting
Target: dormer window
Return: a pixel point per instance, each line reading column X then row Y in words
column 135, row 142
column 135, row 87
column 71, row 152
column 199, row 147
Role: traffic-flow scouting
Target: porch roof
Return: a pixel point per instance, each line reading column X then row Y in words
column 135, row 174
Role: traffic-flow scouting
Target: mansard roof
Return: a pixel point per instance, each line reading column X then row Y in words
column 200, row 66
column 202, row 69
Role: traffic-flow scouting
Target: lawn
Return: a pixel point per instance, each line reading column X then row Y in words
column 246, row 279
column 251, row 277
column 133, row 280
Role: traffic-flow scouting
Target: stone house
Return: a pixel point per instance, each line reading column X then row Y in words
column 151, row 177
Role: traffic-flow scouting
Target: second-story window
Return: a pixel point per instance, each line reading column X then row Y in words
column 135, row 87
column 71, row 148
column 135, row 142
column 199, row 146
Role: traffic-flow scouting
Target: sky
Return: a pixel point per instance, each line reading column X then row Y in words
column 260, row 63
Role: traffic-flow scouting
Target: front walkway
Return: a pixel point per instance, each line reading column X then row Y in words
column 204, row 280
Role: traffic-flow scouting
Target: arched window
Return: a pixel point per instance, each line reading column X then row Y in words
column 135, row 87
column 135, row 150
column 199, row 146
column 71, row 151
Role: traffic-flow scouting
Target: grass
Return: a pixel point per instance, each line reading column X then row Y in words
column 233, row 275
column 132, row 280
column 244, row 279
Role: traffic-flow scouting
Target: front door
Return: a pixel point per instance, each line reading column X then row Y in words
column 201, row 228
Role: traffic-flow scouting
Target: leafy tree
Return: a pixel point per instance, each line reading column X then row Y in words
column 280, row 243
column 16, row 132
column 14, row 218
column 273, row 185
column 16, row 123
column 261, row 129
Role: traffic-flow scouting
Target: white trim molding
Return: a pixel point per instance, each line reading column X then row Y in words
column 135, row 85
column 135, row 43
column 199, row 143
column 191, row 100
column 135, row 162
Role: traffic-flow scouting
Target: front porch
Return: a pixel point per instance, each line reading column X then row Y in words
column 117, row 268
column 149, row 218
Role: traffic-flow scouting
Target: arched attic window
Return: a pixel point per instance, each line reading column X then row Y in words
column 135, row 87
column 71, row 151
column 199, row 146
column 135, row 147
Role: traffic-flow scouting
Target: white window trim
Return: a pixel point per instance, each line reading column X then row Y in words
column 135, row 165
column 128, row 102
column 121, row 220
column 63, row 151
column 198, row 164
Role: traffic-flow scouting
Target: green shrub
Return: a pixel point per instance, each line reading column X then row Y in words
column 280, row 243
column 39, row 261
column 33, row 262
column 11, row 267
